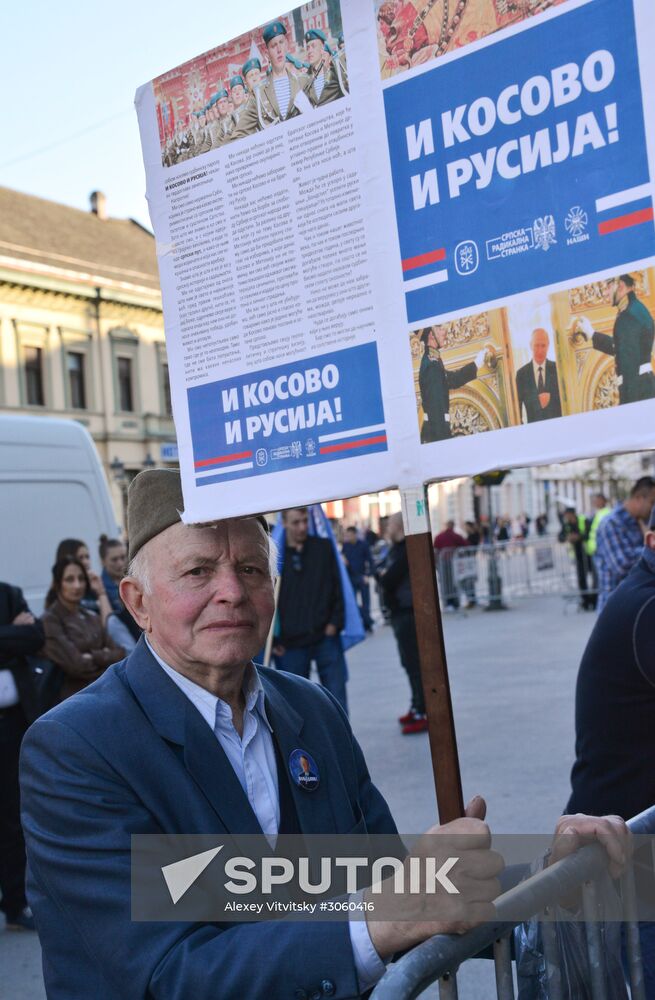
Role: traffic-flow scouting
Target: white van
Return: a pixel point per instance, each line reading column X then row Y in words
column 52, row 486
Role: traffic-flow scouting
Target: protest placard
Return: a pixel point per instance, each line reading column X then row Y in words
column 403, row 240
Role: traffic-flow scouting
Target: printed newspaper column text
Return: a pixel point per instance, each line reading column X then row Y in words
column 264, row 244
column 203, row 273
column 331, row 231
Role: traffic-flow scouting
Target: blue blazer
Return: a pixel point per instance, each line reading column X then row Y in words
column 131, row 754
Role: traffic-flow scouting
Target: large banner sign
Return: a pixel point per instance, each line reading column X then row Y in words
column 522, row 164
column 405, row 240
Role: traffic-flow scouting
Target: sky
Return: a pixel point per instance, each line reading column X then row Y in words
column 71, row 70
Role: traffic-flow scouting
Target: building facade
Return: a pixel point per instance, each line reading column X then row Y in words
column 82, row 332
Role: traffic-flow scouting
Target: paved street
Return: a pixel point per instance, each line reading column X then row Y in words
column 512, row 678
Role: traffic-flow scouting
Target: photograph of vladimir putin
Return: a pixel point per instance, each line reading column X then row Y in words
column 536, row 382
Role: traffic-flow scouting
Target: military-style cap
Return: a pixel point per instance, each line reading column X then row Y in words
column 251, row 64
column 236, row 81
column 425, row 334
column 212, row 101
column 272, row 30
column 221, row 93
column 315, row 33
column 154, row 503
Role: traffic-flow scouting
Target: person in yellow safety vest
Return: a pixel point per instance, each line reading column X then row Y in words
column 601, row 510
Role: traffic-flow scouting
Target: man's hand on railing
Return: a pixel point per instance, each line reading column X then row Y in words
column 573, row 832
column 411, row 917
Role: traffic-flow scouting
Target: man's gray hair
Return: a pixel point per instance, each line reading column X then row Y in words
column 139, row 566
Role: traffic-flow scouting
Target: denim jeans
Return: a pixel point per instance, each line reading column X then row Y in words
column 330, row 662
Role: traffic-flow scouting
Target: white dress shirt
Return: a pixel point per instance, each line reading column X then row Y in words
column 252, row 757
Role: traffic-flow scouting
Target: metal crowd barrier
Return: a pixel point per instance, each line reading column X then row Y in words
column 486, row 574
column 439, row 958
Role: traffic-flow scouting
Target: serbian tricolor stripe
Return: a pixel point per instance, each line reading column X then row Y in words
column 624, row 209
column 411, row 263
column 219, row 459
column 360, row 437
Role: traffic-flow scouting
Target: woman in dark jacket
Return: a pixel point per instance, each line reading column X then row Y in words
column 76, row 639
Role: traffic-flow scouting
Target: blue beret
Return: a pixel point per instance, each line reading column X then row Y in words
column 236, row 81
column 251, row 64
column 272, row 30
column 315, row 33
column 222, row 92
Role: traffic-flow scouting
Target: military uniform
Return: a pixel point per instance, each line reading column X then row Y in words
column 435, row 383
column 335, row 82
column 632, row 347
column 262, row 109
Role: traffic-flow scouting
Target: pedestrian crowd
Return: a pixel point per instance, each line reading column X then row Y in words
column 186, row 734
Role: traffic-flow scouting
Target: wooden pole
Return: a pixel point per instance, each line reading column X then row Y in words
column 432, row 654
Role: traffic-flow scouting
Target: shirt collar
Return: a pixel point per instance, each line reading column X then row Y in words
column 207, row 703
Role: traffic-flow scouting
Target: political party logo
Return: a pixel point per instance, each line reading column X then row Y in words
column 310, row 447
column 511, row 243
column 261, row 456
column 544, row 232
column 467, row 257
column 576, row 223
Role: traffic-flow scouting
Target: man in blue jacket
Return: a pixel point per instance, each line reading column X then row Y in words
column 187, row 736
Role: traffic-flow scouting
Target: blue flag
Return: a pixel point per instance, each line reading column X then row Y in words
column 353, row 630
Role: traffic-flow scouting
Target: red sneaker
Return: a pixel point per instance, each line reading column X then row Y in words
column 419, row 724
column 407, row 717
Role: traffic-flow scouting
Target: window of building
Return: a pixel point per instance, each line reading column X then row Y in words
column 33, row 360
column 76, row 379
column 125, row 389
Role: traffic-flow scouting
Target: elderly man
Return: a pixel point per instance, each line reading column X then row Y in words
column 187, row 735
column 536, row 382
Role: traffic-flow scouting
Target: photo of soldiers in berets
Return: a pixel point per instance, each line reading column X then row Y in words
column 289, row 67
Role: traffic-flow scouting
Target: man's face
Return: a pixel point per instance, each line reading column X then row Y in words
column 238, row 95
column 540, row 344
column 296, row 525
column 277, row 50
column 644, row 504
column 115, row 562
column 439, row 334
column 253, row 76
column 315, row 49
column 351, row 536
column 211, row 599
column 619, row 290
column 223, row 106
column 304, row 763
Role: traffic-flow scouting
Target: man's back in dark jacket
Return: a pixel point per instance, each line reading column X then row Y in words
column 614, row 771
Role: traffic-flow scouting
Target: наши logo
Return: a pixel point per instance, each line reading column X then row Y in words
column 544, row 232
column 575, row 224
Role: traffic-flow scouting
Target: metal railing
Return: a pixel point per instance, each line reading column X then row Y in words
column 439, row 958
column 481, row 574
